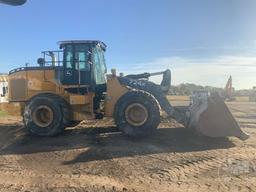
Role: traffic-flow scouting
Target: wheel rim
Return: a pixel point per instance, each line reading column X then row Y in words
column 43, row 116
column 136, row 114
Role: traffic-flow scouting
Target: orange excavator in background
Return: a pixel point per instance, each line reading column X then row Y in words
column 229, row 90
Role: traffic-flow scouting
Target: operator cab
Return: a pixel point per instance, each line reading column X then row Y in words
column 79, row 65
column 83, row 63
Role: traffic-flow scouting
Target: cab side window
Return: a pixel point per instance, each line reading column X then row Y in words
column 69, row 57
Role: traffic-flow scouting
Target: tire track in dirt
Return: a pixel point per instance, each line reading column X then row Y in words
column 195, row 165
column 30, row 179
column 199, row 166
column 46, row 170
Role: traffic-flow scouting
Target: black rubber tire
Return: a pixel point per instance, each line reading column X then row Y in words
column 65, row 107
column 57, row 125
column 148, row 102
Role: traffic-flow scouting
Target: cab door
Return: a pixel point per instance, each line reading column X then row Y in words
column 77, row 68
column 82, row 64
column 69, row 77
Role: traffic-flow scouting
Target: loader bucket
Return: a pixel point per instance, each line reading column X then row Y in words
column 210, row 116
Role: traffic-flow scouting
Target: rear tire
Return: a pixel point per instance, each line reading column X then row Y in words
column 137, row 114
column 43, row 116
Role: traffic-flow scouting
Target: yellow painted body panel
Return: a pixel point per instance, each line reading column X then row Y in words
column 35, row 82
column 26, row 84
column 114, row 91
column 75, row 99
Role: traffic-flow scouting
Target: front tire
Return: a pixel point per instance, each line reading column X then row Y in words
column 43, row 116
column 137, row 114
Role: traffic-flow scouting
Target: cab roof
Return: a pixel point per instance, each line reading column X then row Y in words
column 61, row 43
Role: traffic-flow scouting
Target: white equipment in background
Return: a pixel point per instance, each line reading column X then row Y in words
column 3, row 88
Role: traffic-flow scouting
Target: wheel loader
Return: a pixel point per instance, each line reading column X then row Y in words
column 71, row 85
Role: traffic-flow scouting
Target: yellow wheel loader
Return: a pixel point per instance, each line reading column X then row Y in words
column 71, row 85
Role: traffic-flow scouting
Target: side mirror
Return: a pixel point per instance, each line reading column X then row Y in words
column 41, row 62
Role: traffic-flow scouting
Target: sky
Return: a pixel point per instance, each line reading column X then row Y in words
column 201, row 41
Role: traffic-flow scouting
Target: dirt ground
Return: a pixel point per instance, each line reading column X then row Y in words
column 96, row 157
